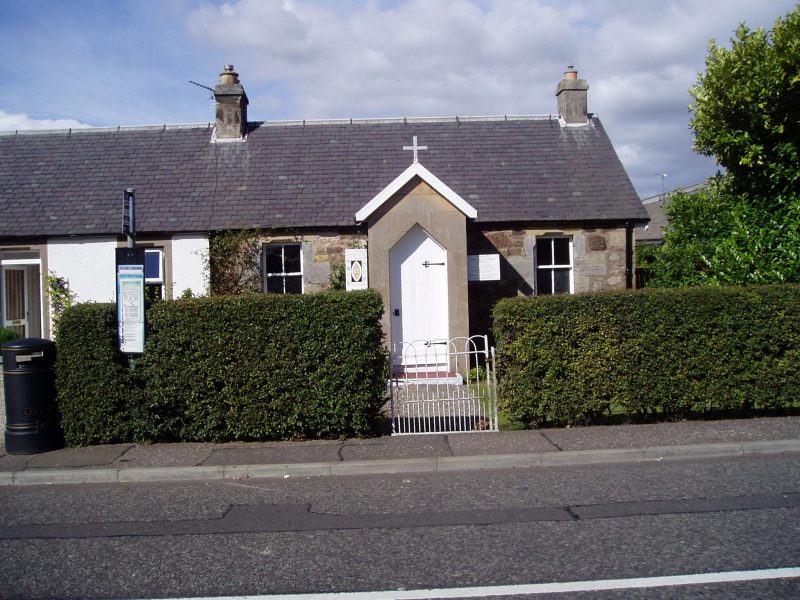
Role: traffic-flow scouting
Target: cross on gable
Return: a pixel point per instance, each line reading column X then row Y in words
column 415, row 147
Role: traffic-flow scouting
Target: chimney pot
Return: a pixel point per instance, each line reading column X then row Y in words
column 570, row 73
column 229, row 76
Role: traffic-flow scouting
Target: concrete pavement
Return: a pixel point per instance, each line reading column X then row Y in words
column 404, row 454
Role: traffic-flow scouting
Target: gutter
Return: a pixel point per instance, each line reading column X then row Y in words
column 628, row 255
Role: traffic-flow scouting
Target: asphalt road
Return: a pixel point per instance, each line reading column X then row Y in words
column 366, row 534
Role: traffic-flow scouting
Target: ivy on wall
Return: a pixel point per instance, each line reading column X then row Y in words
column 61, row 298
column 233, row 262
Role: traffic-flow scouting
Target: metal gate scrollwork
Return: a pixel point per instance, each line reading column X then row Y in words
column 443, row 386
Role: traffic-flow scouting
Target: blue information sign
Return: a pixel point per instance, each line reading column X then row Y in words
column 130, row 300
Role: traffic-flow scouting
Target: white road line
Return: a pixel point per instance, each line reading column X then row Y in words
column 536, row 588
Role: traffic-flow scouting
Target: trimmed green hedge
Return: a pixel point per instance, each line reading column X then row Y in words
column 100, row 398
column 251, row 367
column 651, row 353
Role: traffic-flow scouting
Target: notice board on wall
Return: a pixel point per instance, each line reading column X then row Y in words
column 483, row 267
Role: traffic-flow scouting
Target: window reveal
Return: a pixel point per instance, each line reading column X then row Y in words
column 554, row 265
column 154, row 273
column 283, row 269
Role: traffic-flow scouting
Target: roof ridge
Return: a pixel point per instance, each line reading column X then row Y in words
column 689, row 189
column 289, row 123
column 118, row 128
column 399, row 120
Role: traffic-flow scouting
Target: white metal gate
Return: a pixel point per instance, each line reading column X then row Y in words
column 443, row 386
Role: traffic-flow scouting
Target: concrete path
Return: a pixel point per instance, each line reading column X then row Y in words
column 404, row 454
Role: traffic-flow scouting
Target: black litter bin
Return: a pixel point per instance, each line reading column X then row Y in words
column 29, row 377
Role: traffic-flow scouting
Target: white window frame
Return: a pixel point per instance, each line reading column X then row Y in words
column 552, row 267
column 283, row 274
column 160, row 252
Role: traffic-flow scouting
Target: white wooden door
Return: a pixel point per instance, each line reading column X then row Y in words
column 418, row 280
column 15, row 300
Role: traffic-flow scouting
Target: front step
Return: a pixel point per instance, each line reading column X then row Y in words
column 420, row 376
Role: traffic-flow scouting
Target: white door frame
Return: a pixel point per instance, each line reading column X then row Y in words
column 22, row 264
column 23, row 321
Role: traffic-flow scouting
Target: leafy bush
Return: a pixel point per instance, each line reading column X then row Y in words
column 7, row 335
column 568, row 359
column 250, row 367
column 476, row 374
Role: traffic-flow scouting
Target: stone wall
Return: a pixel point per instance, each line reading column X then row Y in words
column 326, row 253
column 599, row 260
column 322, row 252
column 598, row 264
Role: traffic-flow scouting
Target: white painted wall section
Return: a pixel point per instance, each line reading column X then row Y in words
column 188, row 256
column 89, row 264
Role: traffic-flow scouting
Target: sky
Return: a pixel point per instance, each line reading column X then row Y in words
column 99, row 63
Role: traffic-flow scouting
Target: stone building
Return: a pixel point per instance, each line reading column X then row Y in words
column 454, row 213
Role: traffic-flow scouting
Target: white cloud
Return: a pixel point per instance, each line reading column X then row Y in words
column 306, row 59
column 19, row 121
column 461, row 57
column 419, row 57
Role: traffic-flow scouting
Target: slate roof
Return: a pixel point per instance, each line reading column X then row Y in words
column 304, row 174
column 658, row 221
column 655, row 205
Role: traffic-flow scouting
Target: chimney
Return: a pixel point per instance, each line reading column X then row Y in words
column 231, row 118
column 571, row 96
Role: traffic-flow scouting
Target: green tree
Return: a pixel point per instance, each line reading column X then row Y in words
column 745, row 227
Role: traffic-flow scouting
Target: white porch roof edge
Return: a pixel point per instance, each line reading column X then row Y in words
column 416, row 169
